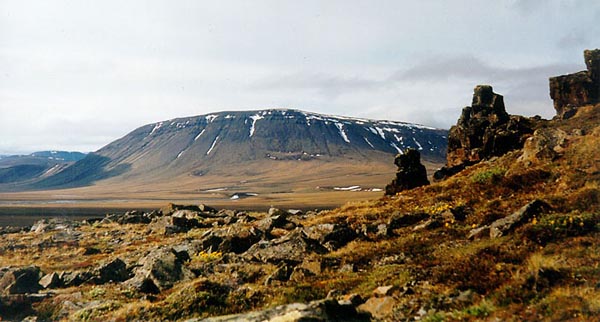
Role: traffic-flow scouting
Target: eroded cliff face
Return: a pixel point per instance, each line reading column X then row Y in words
column 577, row 89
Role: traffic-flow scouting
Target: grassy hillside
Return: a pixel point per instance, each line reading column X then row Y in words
column 542, row 268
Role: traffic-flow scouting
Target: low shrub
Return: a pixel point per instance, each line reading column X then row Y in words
column 558, row 226
column 490, row 176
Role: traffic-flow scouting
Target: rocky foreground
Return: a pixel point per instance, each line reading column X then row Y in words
column 506, row 232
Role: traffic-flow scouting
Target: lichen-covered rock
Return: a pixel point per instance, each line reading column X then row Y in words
column 235, row 238
column 411, row 173
column 505, row 225
column 113, row 271
column 291, row 248
column 159, row 270
column 332, row 236
column 544, row 145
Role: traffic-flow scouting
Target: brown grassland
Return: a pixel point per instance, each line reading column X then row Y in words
column 547, row 269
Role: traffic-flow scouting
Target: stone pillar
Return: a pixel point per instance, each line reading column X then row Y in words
column 411, row 173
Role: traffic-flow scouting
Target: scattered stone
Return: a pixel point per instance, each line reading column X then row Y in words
column 113, row 271
column 404, row 220
column 159, row 270
column 352, row 299
column 504, row 225
column 479, row 232
column 299, row 274
column 322, row 310
column 411, row 173
column 382, row 231
column 208, row 209
column 291, row 248
column 166, row 225
column 277, row 219
column 332, row 236
column 53, row 224
column 187, row 219
column 12, row 230
column 91, row 251
column 235, row 238
column 77, row 278
column 379, row 307
column 384, row 291
column 282, row 273
column 134, row 217
column 430, row 223
column 348, row 268
column 20, row 280
column 171, row 208
column 51, row 280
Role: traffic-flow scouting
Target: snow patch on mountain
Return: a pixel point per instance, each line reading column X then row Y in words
column 212, row 146
column 340, row 127
column 254, row 118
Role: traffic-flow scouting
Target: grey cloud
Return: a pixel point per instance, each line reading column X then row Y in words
column 325, row 84
column 469, row 67
column 572, row 39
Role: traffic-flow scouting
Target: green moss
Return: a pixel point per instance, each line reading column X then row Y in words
column 490, row 176
column 396, row 275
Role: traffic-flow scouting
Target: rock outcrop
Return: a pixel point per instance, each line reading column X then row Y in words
column 20, row 280
column 505, row 225
column 159, row 270
column 484, row 130
column 411, row 173
column 577, row 89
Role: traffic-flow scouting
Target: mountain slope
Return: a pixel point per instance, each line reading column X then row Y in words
column 201, row 144
column 18, row 168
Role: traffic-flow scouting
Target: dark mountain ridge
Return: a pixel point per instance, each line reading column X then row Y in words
column 18, row 168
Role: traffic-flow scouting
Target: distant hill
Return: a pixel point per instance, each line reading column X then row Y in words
column 19, row 168
column 198, row 145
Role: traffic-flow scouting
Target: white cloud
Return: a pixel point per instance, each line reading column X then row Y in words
column 103, row 68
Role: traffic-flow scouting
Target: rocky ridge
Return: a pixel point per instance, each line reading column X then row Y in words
column 484, row 130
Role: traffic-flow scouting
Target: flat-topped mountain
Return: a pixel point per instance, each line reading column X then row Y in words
column 195, row 146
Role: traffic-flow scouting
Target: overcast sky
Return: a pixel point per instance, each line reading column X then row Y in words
column 76, row 75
